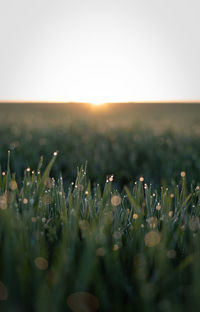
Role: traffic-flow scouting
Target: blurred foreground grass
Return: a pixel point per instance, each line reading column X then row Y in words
column 92, row 249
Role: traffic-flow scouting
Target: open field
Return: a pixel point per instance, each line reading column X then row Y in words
column 121, row 233
column 152, row 140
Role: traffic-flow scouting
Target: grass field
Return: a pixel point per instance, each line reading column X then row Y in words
column 155, row 141
column 119, row 233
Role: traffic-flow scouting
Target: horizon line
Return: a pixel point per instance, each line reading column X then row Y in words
column 118, row 102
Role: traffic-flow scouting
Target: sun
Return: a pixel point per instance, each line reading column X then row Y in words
column 97, row 103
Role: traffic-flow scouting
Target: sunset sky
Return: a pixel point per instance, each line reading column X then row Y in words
column 99, row 50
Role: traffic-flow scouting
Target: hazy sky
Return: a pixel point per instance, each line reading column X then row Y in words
column 99, row 50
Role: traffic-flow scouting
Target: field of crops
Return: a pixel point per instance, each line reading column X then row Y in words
column 99, row 207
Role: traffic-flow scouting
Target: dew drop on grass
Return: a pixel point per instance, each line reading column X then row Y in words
column 152, row 239
column 111, row 178
column 100, row 252
column 171, row 254
column 25, row 201
column 83, row 301
column 135, row 216
column 115, row 247
column 13, row 185
column 116, row 200
column 158, row 207
column 183, row 174
column 41, row 263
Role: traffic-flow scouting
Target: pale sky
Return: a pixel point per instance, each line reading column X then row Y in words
column 99, row 50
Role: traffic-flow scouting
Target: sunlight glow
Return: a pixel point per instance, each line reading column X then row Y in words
column 96, row 103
